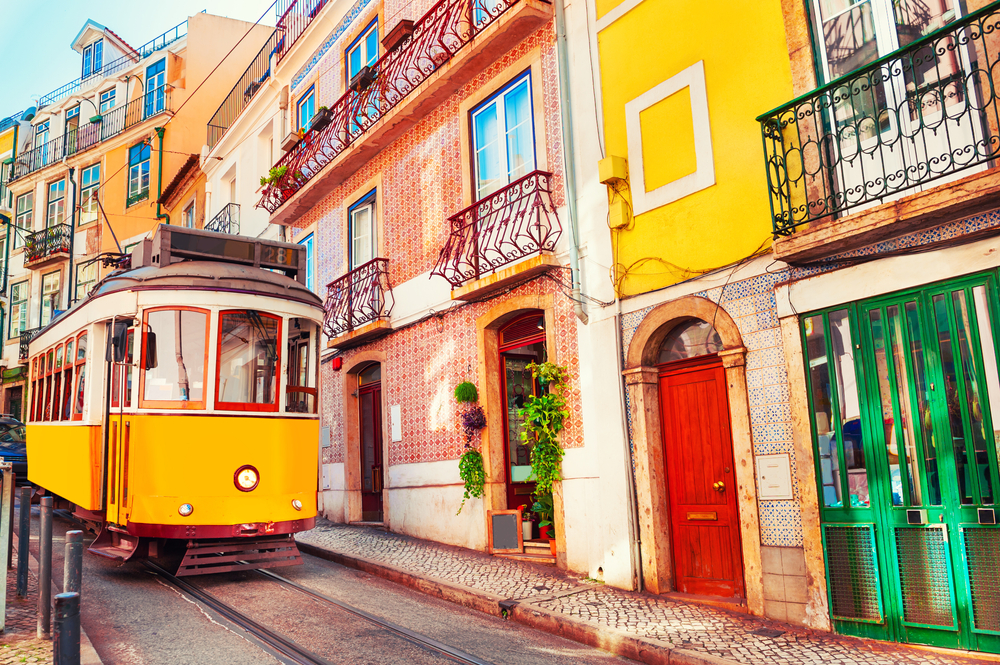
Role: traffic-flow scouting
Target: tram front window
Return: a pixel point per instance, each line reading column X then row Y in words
column 248, row 361
column 303, row 367
column 178, row 379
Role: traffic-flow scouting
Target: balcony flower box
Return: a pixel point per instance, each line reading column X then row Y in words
column 289, row 141
column 362, row 79
column 397, row 35
column 321, row 119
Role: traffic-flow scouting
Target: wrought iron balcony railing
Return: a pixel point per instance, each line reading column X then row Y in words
column 239, row 97
column 360, row 297
column 115, row 66
column 112, row 123
column 43, row 244
column 294, row 17
column 924, row 112
column 227, row 221
column 26, row 337
column 506, row 226
column 436, row 37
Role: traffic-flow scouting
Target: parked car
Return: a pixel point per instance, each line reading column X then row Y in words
column 7, row 422
column 13, row 449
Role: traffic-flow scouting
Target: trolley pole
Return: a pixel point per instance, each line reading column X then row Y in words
column 73, row 564
column 6, row 498
column 23, row 538
column 45, row 569
column 66, row 631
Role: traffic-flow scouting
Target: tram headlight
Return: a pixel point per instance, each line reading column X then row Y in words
column 246, row 478
column 296, row 504
column 185, row 509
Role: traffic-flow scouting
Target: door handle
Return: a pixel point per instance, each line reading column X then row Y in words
column 719, row 486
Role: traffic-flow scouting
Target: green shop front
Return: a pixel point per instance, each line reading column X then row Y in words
column 904, row 396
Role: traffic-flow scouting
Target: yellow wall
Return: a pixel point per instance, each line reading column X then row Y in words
column 7, row 142
column 747, row 73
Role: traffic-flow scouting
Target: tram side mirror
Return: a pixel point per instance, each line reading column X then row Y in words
column 149, row 362
column 117, row 342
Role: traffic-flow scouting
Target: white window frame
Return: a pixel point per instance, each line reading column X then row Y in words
column 55, row 206
column 137, row 173
column 308, row 98
column 482, row 190
column 107, row 100
column 52, row 295
column 24, row 218
column 88, row 193
column 365, row 204
column 361, row 44
column 96, row 64
column 188, row 215
column 86, row 276
column 20, row 306
column 309, row 242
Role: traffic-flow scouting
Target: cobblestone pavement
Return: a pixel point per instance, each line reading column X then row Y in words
column 688, row 626
column 18, row 643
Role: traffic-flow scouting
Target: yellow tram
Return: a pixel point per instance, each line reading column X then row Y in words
column 176, row 407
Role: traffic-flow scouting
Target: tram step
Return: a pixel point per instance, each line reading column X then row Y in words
column 221, row 556
column 112, row 544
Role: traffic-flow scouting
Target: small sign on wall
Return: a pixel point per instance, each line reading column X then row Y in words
column 395, row 423
column 324, row 437
column 774, row 477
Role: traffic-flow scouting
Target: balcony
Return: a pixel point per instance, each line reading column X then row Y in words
column 504, row 238
column 246, row 87
column 46, row 246
column 296, row 15
column 358, row 305
column 867, row 156
column 449, row 45
column 26, row 337
column 227, row 221
column 111, row 124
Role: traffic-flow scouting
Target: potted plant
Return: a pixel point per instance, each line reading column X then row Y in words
column 543, row 508
column 320, row 120
column 526, row 522
column 362, row 79
column 470, row 465
column 273, row 176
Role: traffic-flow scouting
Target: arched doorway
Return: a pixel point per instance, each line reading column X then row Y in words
column 521, row 342
column 370, row 437
column 698, row 453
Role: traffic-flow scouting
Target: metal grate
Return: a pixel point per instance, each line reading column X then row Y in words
column 923, row 576
column 853, row 572
column 982, row 555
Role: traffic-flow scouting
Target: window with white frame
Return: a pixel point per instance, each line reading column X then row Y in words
column 18, row 308
column 93, row 58
column 363, row 51
column 308, row 243
column 86, row 278
column 43, row 151
column 188, row 215
column 72, row 124
column 107, row 100
column 362, row 231
column 50, row 297
column 90, row 183
column 41, row 134
column 138, row 173
column 503, row 137
column 56, row 210
column 307, row 108
column 156, row 78
column 23, row 218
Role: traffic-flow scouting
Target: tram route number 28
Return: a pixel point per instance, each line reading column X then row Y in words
column 280, row 255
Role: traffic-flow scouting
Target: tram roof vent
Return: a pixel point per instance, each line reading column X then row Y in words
column 172, row 244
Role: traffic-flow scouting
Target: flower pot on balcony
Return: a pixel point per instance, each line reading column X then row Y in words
column 321, row 119
column 94, row 119
column 362, row 79
column 397, row 35
column 289, row 141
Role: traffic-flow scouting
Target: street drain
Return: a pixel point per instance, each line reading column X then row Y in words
column 767, row 632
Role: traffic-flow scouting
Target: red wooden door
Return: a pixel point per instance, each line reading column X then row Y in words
column 701, row 483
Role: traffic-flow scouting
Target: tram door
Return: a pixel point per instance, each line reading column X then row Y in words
column 370, row 430
column 119, row 426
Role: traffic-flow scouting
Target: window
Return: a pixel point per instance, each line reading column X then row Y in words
column 138, row 173
column 503, row 137
column 121, row 374
column 177, row 378
column 307, row 108
column 362, row 231
column 23, row 219
column 307, row 242
column 107, row 100
column 363, row 51
column 81, row 375
column 189, row 215
column 93, row 58
column 72, row 124
column 155, row 87
column 56, row 212
column 232, row 190
column 67, row 405
column 42, row 134
column 689, row 339
column 90, row 182
column 248, row 361
column 86, row 278
column 50, row 297
column 43, row 152
column 302, row 372
column 18, row 308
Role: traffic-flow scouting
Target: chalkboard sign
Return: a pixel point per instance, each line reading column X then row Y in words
column 504, row 530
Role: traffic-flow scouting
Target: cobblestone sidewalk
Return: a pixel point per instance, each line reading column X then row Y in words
column 18, row 643
column 688, row 626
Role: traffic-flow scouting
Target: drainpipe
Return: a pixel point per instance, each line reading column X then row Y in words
column 569, row 158
column 159, row 176
column 72, row 238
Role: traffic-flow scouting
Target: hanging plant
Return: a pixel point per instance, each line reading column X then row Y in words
column 466, row 392
column 544, row 418
column 470, row 466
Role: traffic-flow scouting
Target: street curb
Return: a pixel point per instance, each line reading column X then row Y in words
column 617, row 642
column 88, row 654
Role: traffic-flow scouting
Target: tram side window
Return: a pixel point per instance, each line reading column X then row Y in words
column 303, row 366
column 177, row 378
column 248, row 361
column 67, row 403
column 81, row 375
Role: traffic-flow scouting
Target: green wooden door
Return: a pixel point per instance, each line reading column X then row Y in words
column 919, row 538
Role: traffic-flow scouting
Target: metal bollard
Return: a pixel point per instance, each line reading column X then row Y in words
column 10, row 527
column 66, row 631
column 23, row 539
column 73, row 563
column 45, row 569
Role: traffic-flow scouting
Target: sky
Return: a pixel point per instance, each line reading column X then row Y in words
column 35, row 36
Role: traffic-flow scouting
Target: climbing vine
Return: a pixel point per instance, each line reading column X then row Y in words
column 544, row 418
